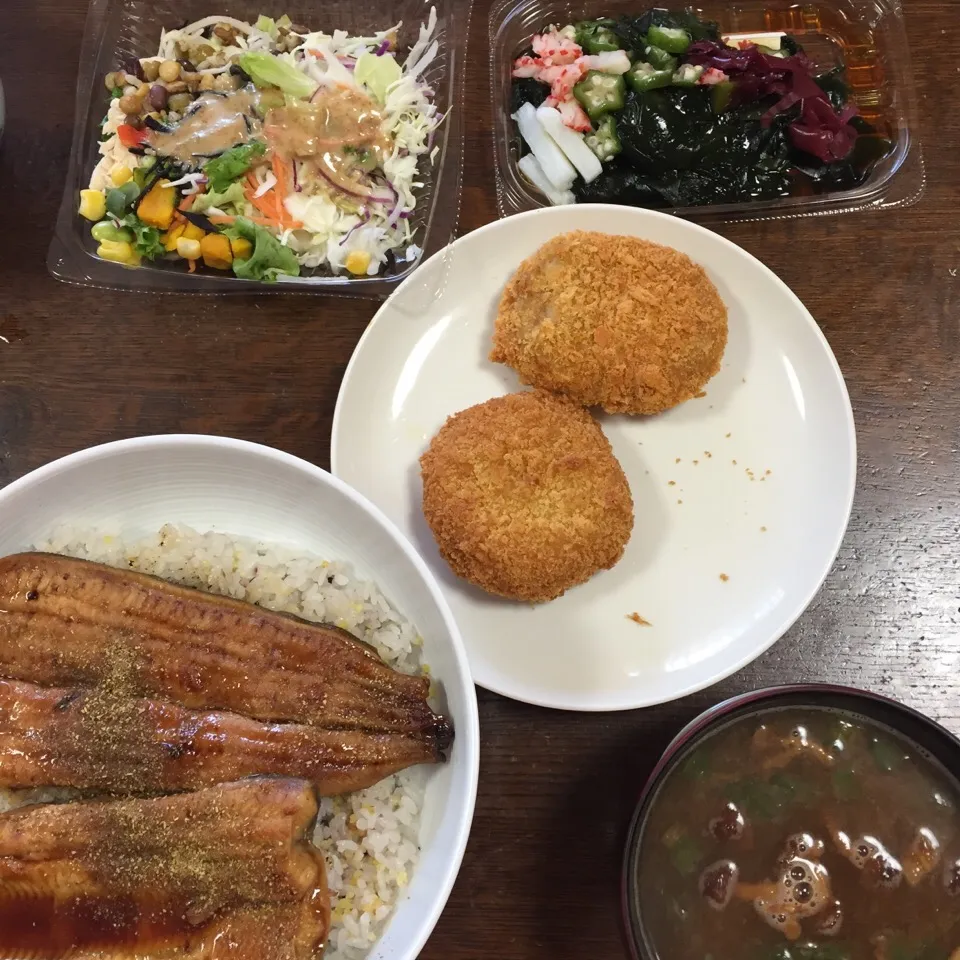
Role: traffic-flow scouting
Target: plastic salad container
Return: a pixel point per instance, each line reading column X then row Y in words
column 120, row 29
column 866, row 37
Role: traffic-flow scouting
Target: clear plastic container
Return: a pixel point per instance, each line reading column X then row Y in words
column 118, row 29
column 865, row 36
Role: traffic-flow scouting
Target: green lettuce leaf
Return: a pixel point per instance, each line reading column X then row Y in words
column 232, row 197
column 231, row 165
column 146, row 239
column 267, row 70
column 270, row 258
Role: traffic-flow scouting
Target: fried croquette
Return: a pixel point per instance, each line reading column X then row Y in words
column 610, row 321
column 525, row 497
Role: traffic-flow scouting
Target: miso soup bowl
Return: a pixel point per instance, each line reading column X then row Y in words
column 926, row 734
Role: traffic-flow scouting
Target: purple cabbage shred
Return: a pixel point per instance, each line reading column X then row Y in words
column 819, row 130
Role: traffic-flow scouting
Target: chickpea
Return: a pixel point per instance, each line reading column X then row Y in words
column 206, row 81
column 110, row 81
column 130, row 104
column 169, row 71
column 151, row 71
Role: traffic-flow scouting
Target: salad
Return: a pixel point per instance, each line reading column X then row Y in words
column 265, row 149
column 660, row 110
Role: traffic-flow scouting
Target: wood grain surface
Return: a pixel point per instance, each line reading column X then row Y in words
column 541, row 875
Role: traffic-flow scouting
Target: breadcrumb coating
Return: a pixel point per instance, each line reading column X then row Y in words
column 525, row 497
column 612, row 321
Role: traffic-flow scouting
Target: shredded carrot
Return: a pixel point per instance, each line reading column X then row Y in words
column 187, row 202
column 264, row 204
column 193, row 266
column 270, row 203
column 273, row 210
column 284, row 175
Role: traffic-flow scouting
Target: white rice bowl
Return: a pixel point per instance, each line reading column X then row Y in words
column 370, row 838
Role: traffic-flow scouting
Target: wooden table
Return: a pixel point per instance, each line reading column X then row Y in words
column 80, row 367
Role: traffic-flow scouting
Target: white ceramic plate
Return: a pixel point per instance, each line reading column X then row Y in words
column 742, row 497
column 213, row 483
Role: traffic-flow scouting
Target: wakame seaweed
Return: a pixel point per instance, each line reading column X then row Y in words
column 678, row 152
column 834, row 84
column 703, row 122
column 527, row 90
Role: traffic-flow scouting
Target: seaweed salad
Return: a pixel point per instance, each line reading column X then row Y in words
column 660, row 110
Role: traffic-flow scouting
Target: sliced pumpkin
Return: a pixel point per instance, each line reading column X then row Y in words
column 241, row 248
column 171, row 237
column 216, row 252
column 158, row 205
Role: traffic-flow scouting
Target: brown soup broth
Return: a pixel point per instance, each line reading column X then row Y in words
column 802, row 834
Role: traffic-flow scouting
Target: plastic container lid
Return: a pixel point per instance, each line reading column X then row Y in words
column 119, row 29
column 867, row 37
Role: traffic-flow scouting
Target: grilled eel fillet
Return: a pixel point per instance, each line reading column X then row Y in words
column 142, row 878
column 67, row 622
column 92, row 740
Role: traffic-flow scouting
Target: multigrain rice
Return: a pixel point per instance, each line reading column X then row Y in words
column 369, row 838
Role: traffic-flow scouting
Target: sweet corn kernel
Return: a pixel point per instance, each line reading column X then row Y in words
column 120, row 174
column 119, row 251
column 357, row 262
column 93, row 204
column 188, row 249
